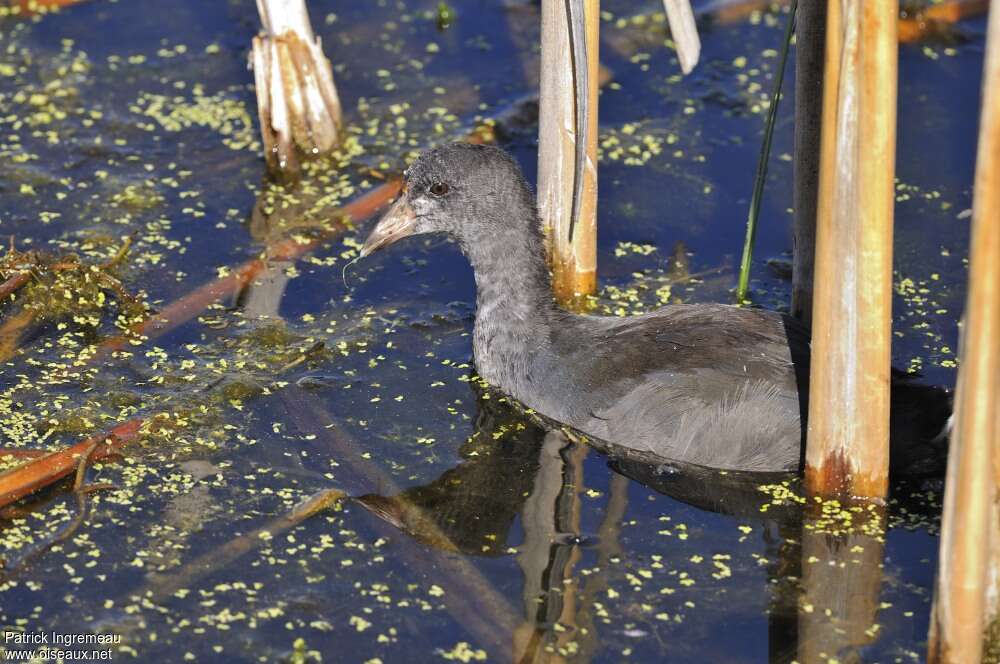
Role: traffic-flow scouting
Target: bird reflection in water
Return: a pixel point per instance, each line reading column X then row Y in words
column 824, row 575
column 513, row 466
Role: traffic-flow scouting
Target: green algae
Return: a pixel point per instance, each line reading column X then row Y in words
column 445, row 16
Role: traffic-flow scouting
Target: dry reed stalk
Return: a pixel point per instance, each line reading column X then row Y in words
column 574, row 263
column 684, row 31
column 297, row 101
column 966, row 599
column 848, row 439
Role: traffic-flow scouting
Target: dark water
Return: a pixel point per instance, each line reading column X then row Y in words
column 475, row 534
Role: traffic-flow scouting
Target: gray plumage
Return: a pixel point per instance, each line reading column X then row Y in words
column 707, row 384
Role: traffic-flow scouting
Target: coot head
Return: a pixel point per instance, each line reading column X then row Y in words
column 470, row 192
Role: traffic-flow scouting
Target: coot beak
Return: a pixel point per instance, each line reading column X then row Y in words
column 395, row 224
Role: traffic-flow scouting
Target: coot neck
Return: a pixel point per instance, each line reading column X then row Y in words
column 511, row 275
column 514, row 304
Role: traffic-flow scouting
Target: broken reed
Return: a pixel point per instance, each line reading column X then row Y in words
column 297, row 100
column 574, row 261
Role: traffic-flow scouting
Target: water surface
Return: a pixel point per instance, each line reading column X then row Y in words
column 475, row 534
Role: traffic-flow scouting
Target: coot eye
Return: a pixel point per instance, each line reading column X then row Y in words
column 439, row 189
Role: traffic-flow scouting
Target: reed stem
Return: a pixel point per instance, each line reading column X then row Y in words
column 743, row 288
column 847, row 451
column 965, row 604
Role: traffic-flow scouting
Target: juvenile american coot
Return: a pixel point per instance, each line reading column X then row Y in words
column 705, row 384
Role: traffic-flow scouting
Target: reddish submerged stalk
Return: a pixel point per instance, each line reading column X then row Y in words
column 14, row 283
column 23, row 454
column 43, row 471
